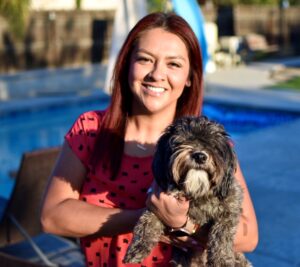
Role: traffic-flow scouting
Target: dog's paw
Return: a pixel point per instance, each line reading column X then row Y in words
column 131, row 258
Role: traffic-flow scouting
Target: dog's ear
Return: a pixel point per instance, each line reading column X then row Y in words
column 228, row 179
column 223, row 188
column 160, row 164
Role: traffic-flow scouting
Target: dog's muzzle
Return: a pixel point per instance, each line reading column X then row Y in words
column 199, row 157
column 197, row 180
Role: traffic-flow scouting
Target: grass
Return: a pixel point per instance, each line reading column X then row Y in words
column 293, row 83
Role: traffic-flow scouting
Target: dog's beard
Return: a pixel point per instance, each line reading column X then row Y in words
column 196, row 183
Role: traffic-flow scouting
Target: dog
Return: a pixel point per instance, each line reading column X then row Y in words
column 194, row 157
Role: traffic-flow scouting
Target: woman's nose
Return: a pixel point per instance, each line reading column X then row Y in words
column 158, row 72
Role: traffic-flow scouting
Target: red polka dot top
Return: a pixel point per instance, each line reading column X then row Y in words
column 127, row 191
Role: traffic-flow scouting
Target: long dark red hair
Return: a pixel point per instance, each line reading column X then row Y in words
column 110, row 142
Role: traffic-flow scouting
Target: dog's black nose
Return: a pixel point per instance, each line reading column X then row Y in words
column 199, row 157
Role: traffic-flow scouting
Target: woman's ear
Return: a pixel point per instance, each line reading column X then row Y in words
column 188, row 83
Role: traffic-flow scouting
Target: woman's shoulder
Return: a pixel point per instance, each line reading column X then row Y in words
column 89, row 121
column 92, row 115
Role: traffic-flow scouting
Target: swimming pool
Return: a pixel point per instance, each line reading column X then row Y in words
column 34, row 129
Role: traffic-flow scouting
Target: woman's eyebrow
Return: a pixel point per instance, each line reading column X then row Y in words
column 177, row 57
column 141, row 50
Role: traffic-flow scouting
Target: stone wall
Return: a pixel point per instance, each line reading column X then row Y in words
column 72, row 38
column 280, row 27
column 57, row 38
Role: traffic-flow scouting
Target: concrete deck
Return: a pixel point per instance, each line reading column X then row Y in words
column 269, row 157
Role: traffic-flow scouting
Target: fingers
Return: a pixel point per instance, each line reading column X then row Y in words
column 156, row 190
column 171, row 210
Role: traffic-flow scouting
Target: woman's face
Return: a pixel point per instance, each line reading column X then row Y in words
column 159, row 72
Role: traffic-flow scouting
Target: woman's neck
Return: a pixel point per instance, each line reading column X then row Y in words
column 142, row 133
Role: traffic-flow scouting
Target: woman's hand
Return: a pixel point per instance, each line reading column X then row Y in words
column 170, row 210
column 197, row 241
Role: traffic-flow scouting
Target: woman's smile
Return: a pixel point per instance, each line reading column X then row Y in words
column 159, row 72
column 154, row 90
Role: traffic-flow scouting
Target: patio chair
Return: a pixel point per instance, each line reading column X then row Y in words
column 9, row 261
column 21, row 236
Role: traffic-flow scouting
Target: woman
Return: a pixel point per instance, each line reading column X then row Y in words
column 99, row 185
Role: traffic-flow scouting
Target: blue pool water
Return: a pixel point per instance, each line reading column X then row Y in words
column 34, row 129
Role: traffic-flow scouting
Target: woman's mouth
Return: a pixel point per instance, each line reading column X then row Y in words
column 156, row 90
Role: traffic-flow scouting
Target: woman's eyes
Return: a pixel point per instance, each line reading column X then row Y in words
column 175, row 64
column 143, row 59
column 172, row 64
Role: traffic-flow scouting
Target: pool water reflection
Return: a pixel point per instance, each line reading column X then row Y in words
column 32, row 130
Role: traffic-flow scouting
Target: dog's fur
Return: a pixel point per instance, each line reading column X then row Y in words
column 194, row 157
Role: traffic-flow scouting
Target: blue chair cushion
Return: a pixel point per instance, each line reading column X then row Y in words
column 58, row 250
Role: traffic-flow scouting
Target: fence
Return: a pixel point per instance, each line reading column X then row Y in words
column 64, row 38
column 279, row 26
column 60, row 38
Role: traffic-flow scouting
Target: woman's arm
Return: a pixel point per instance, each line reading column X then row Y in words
column 64, row 214
column 246, row 238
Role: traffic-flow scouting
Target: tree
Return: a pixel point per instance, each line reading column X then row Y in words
column 156, row 5
column 16, row 13
column 78, row 4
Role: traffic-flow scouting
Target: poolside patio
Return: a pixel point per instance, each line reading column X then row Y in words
column 270, row 161
column 269, row 157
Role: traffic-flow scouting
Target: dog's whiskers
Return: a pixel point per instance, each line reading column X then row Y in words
column 178, row 164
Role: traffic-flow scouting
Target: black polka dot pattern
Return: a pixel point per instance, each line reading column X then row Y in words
column 127, row 191
column 122, row 187
column 136, row 166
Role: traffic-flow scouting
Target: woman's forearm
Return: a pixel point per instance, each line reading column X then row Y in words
column 64, row 214
column 246, row 237
column 77, row 218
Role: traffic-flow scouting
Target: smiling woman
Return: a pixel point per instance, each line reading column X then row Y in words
column 156, row 78
column 102, row 176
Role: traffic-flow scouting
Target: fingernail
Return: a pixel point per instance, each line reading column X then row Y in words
column 150, row 190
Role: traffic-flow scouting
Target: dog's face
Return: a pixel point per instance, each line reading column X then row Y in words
column 194, row 155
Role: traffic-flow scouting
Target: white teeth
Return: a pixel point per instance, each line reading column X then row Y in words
column 156, row 89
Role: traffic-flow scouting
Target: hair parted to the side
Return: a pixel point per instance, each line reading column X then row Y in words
column 110, row 141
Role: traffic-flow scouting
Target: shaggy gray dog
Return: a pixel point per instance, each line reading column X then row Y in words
column 194, row 158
